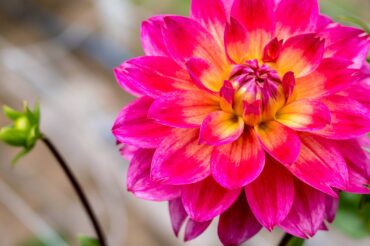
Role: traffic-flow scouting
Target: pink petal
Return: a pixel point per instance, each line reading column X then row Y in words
column 288, row 84
column 296, row 17
column 349, row 118
column 272, row 50
column 359, row 91
column 301, row 54
column 139, row 182
column 179, row 159
column 279, row 141
column 271, row 195
column 331, row 206
column 227, row 94
column 133, row 127
column 206, row 199
column 348, row 43
column 152, row 38
column 193, row 229
column 177, row 213
column 258, row 17
column 322, row 23
column 320, row 165
column 154, row 75
column 183, row 109
column 236, row 41
column 205, row 75
column 228, row 4
column 358, row 181
column 304, row 115
column 330, row 77
column 307, row 214
column 186, row 38
column 212, row 16
column 236, row 164
column 238, row 223
column 220, row 128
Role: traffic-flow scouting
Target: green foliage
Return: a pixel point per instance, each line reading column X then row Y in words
column 88, row 241
column 295, row 241
column 24, row 130
column 353, row 217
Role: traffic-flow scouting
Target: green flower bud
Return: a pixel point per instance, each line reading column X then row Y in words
column 24, row 131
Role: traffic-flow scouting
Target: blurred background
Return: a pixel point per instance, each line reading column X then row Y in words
column 62, row 52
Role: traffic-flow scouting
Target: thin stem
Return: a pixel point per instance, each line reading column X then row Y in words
column 77, row 188
column 285, row 240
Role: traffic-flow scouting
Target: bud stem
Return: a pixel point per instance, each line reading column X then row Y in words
column 78, row 189
column 285, row 240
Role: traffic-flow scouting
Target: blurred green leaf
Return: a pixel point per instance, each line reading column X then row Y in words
column 350, row 219
column 88, row 241
column 295, row 241
column 11, row 113
column 13, row 136
column 357, row 22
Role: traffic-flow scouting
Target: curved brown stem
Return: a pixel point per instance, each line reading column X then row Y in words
column 77, row 187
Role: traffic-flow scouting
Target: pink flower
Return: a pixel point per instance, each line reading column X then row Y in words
column 251, row 110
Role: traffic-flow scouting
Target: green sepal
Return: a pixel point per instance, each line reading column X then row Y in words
column 13, row 137
column 88, row 241
column 11, row 113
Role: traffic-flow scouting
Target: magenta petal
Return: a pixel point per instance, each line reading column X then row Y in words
column 288, row 84
column 193, row 229
column 177, row 213
column 332, row 76
column 308, row 212
column 320, row 165
column 153, row 75
column 295, row 17
column 133, row 127
column 185, row 38
column 139, row 182
column 238, row 223
column 236, row 41
column 212, row 16
column 152, row 38
column 301, row 54
column 206, row 199
column 331, row 206
column 221, row 128
column 348, row 43
column 349, row 118
column 271, row 195
column 236, row 164
column 185, row 109
column 179, row 159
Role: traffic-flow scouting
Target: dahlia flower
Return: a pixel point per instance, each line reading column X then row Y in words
column 255, row 111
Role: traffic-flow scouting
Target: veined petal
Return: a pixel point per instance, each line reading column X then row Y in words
column 206, row 199
column 349, row 118
column 193, row 229
column 238, row 223
column 304, row 115
column 347, row 43
column 307, row 213
column 177, row 213
column 134, row 127
column 152, row 37
column 228, row 4
column 288, row 84
column 179, row 159
column 331, row 206
column 271, row 195
column 301, row 54
column 359, row 90
column 139, row 182
column 186, row 38
column 220, row 127
column 330, row 77
column 358, row 181
column 154, row 75
column 205, row 75
column 211, row 15
column 238, row 163
column 279, row 141
column 258, row 17
column 320, row 165
column 183, row 109
column 236, row 41
column 295, row 17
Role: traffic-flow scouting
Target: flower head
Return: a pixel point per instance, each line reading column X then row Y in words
column 251, row 110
